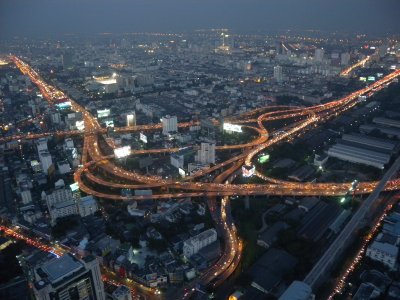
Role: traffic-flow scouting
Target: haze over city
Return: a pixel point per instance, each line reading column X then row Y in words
column 42, row 17
column 187, row 149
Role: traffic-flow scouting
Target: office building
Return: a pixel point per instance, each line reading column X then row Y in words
column 121, row 293
column 278, row 74
column 194, row 244
column 41, row 144
column 26, row 196
column 68, row 278
column 344, row 58
column 45, row 160
column 67, row 60
column 177, row 160
column 319, row 55
column 87, row 206
column 169, row 124
column 206, row 154
column 60, row 203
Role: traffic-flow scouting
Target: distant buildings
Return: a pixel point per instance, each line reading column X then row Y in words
column 68, row 278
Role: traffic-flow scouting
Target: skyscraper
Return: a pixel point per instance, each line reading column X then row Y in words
column 67, row 60
column 278, row 74
column 344, row 58
column 68, row 278
column 319, row 54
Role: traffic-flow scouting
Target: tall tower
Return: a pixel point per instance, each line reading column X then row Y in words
column 319, row 55
column 278, row 74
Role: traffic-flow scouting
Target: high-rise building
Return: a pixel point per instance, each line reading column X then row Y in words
column 68, row 278
column 60, row 203
column 67, row 60
column 206, row 154
column 278, row 74
column 278, row 47
column 131, row 119
column 319, row 54
column 41, row 144
column 45, row 160
column 169, row 124
column 345, row 58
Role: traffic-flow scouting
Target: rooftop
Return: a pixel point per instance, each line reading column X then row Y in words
column 58, row 268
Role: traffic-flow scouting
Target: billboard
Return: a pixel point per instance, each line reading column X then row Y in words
column 248, row 171
column 363, row 79
column 74, row 187
column 263, row 158
column 371, row 78
column 182, row 172
column 109, row 123
column 130, row 120
column 80, row 125
column 102, row 113
column 64, row 105
column 232, row 127
column 122, row 151
column 143, row 138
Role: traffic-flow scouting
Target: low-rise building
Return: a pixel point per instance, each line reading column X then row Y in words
column 384, row 253
column 194, row 244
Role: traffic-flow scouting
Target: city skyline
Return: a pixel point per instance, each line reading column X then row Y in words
column 27, row 18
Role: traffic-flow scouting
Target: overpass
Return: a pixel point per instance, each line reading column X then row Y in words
column 323, row 266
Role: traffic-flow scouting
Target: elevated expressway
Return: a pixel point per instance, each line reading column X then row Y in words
column 303, row 119
column 193, row 186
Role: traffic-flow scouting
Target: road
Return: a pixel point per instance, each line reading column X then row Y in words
column 300, row 121
column 325, row 262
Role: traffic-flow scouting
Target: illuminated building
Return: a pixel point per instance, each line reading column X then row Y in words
column 131, row 119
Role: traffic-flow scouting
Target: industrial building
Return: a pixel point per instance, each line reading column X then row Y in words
column 364, row 150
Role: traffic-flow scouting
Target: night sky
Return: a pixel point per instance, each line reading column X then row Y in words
column 44, row 17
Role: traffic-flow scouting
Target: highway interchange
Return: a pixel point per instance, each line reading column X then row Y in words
column 93, row 159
